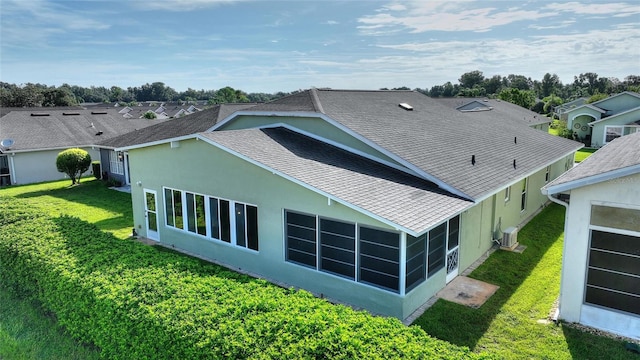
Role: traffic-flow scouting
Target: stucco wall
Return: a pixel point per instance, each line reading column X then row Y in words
column 622, row 192
column 598, row 138
column 202, row 168
column 38, row 166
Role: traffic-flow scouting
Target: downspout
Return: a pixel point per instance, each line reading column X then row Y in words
column 564, row 251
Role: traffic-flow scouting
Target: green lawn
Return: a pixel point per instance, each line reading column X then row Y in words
column 91, row 201
column 583, row 154
column 511, row 324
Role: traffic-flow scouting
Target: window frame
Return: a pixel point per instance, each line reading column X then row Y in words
column 523, row 195
column 507, row 194
column 227, row 225
column 115, row 165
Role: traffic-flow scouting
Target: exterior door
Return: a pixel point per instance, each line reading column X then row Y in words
column 151, row 214
column 453, row 248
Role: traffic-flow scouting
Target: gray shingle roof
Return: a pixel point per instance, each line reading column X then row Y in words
column 436, row 139
column 405, row 200
column 614, row 158
column 65, row 128
column 500, row 110
column 186, row 125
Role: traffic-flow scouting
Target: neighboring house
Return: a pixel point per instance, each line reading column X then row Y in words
column 505, row 110
column 115, row 164
column 561, row 110
column 598, row 123
column 37, row 136
column 162, row 110
column 376, row 199
column 600, row 284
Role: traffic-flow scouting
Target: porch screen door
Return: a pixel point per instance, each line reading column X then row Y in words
column 453, row 248
column 151, row 214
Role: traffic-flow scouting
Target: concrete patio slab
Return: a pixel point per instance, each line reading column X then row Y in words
column 467, row 291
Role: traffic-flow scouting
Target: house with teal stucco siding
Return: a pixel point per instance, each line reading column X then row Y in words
column 598, row 123
column 376, row 199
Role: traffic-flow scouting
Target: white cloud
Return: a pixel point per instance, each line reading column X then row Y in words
column 425, row 16
column 180, row 5
column 609, row 9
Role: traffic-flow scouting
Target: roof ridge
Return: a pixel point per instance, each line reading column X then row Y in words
column 316, row 100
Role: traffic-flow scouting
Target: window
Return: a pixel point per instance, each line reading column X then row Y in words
column 523, row 196
column 330, row 246
column 116, row 165
column 173, row 207
column 416, row 261
column 379, row 258
column 301, row 241
column 547, row 175
column 338, row 247
column 507, row 194
column 436, row 254
column 5, row 174
column 246, row 226
column 219, row 220
column 212, row 217
column 612, row 132
column 613, row 273
column 454, row 233
column 196, row 217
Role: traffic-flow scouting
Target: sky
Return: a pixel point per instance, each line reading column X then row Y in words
column 271, row 46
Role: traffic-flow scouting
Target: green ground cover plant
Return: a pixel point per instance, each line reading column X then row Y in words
column 513, row 324
column 135, row 301
column 27, row 333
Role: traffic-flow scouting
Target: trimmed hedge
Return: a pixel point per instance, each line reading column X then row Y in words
column 136, row 301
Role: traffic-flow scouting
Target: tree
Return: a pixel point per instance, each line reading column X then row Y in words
column 550, row 103
column 150, row 115
column 524, row 98
column 73, row 162
column 471, row 79
column 550, row 85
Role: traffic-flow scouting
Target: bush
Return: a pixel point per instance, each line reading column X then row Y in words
column 73, row 162
column 137, row 301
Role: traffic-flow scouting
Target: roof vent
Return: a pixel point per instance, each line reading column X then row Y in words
column 70, row 113
column 98, row 113
column 473, row 159
column 39, row 114
column 406, row 106
column 99, row 133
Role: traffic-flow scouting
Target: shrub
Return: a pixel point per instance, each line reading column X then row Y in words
column 136, row 301
column 73, row 162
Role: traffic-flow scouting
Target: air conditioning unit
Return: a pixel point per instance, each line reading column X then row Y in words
column 509, row 238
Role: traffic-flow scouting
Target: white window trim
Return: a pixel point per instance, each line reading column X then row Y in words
column 115, row 165
column 232, row 219
column 507, row 194
column 523, row 196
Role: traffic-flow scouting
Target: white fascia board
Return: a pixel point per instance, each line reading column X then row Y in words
column 590, row 180
column 307, row 186
column 488, row 195
column 157, row 142
column 47, row 149
column 417, row 171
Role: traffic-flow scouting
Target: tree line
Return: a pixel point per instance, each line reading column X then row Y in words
column 37, row 95
column 538, row 95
